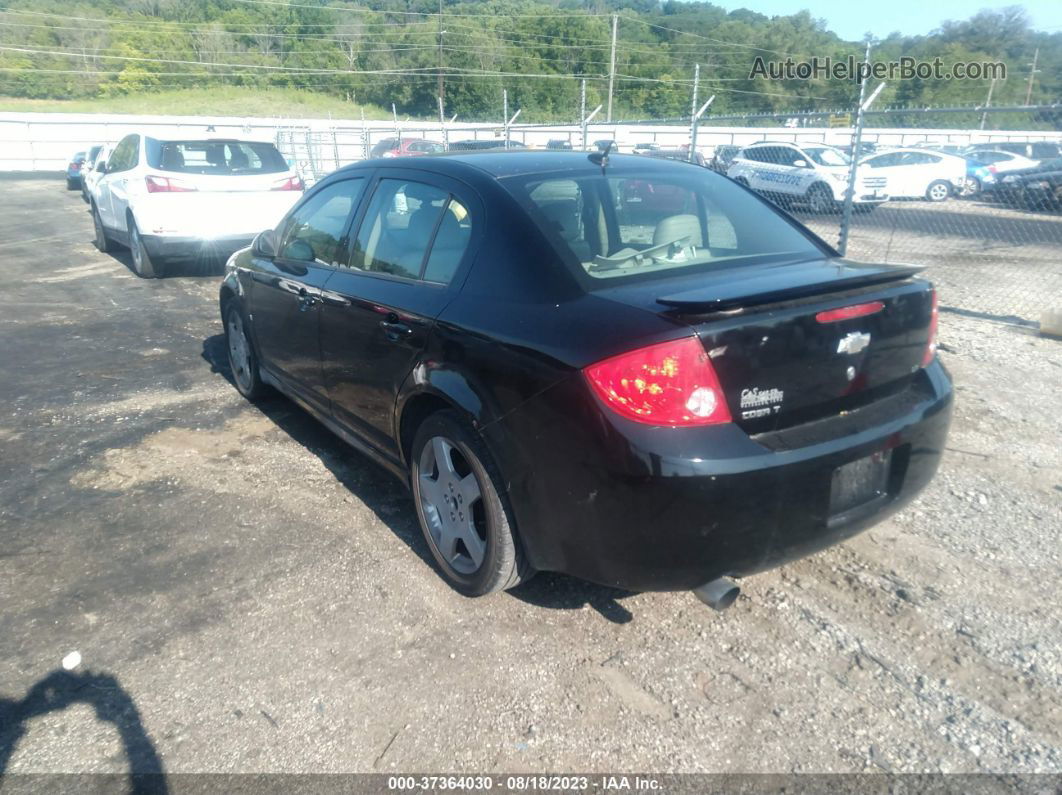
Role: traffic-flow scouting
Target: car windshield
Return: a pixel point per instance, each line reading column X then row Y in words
column 628, row 226
column 215, row 157
column 825, row 156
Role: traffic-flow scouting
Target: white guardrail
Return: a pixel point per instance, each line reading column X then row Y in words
column 46, row 141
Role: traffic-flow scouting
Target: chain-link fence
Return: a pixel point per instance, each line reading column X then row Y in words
column 980, row 208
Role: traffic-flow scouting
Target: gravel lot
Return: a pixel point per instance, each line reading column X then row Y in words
column 247, row 594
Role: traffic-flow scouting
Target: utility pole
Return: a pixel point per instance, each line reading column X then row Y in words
column 582, row 110
column 505, row 109
column 612, row 67
column 693, row 105
column 988, row 102
column 442, row 84
column 1032, row 73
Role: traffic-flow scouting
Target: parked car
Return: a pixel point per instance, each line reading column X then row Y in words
column 979, row 178
column 650, row 400
column 96, row 154
column 1036, row 188
column 642, row 148
column 997, row 163
column 917, row 174
column 559, row 144
column 815, row 175
column 472, row 145
column 614, row 149
column 1031, row 150
column 405, row 147
column 73, row 171
column 188, row 198
column 682, row 155
column 722, row 157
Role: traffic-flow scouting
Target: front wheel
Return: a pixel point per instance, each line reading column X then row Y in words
column 938, row 191
column 103, row 243
column 820, row 199
column 242, row 359
column 462, row 512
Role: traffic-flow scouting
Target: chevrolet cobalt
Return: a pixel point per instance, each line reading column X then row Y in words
column 627, row 369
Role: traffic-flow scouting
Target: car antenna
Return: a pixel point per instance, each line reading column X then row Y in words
column 600, row 157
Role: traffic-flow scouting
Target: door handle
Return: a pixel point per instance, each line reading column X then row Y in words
column 307, row 299
column 395, row 330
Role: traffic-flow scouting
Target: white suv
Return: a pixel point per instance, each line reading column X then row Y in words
column 199, row 199
column 814, row 174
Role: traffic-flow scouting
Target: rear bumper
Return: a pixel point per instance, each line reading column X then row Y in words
column 194, row 248
column 669, row 509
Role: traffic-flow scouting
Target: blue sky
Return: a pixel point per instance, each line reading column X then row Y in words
column 850, row 20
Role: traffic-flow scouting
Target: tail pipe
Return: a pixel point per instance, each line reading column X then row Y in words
column 718, row 594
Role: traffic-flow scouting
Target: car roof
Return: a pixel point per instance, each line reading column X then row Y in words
column 502, row 163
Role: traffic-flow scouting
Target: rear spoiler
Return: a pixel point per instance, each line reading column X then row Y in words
column 738, row 295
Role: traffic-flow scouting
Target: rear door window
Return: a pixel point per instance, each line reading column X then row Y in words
column 215, row 157
column 412, row 230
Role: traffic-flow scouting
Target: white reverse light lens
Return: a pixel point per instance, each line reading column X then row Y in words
column 701, row 402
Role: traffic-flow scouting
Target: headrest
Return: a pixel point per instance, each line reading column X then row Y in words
column 421, row 223
column 563, row 216
column 421, row 192
column 674, row 227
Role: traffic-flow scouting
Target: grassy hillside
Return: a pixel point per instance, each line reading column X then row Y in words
column 213, row 101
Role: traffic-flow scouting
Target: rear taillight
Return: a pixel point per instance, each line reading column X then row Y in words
column 992, row 169
column 288, row 183
column 75, row 166
column 157, row 184
column 670, row 383
column 931, row 344
column 849, row 312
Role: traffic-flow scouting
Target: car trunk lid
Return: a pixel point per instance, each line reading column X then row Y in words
column 782, row 351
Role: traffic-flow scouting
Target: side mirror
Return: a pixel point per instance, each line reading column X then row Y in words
column 299, row 251
column 801, row 163
column 101, row 167
column 264, row 244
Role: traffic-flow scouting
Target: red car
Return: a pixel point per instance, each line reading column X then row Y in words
column 405, row 147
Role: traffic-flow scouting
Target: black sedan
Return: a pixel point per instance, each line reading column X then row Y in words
column 622, row 368
column 1036, row 188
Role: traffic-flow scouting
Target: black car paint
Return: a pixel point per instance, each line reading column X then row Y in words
column 594, row 495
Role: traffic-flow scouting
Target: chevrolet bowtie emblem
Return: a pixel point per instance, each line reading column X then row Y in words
column 853, row 342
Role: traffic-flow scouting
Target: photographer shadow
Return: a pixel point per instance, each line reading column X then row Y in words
column 61, row 689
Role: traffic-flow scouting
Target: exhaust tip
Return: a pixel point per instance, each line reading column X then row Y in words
column 718, row 594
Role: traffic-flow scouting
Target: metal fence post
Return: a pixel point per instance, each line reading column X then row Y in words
column 582, row 111
column 849, row 194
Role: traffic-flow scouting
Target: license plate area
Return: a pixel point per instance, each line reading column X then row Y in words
column 860, row 482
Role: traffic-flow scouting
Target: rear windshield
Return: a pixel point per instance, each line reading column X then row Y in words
column 215, row 157
column 630, row 226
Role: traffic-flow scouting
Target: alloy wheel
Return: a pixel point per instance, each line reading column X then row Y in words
column 938, row 192
column 451, row 500
column 239, row 351
column 134, row 247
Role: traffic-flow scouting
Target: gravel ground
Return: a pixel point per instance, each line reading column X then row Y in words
column 247, row 594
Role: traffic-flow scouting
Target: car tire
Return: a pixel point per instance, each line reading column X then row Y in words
column 462, row 510
column 972, row 187
column 938, row 191
column 102, row 242
column 73, row 184
column 243, row 361
column 820, row 199
column 143, row 265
